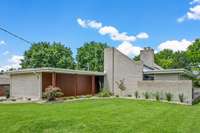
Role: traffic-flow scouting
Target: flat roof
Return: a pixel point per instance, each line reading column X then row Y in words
column 170, row 71
column 56, row 70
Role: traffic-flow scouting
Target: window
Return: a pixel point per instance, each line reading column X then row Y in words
column 148, row 77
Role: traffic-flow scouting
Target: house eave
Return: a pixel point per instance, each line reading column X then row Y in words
column 56, row 70
column 170, row 71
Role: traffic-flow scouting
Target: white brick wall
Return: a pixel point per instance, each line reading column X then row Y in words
column 117, row 67
column 167, row 86
column 26, row 86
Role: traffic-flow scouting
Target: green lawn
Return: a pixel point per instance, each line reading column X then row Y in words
column 100, row 116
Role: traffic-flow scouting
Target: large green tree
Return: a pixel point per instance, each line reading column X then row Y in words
column 168, row 59
column 193, row 54
column 91, row 56
column 180, row 60
column 44, row 54
column 164, row 58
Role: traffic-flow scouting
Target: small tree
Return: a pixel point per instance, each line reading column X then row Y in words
column 157, row 96
column 136, row 94
column 51, row 93
column 168, row 96
column 121, row 86
column 181, row 97
column 146, row 95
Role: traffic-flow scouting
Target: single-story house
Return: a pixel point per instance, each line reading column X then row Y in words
column 31, row 83
column 138, row 76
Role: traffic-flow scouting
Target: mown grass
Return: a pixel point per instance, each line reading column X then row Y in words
column 100, row 116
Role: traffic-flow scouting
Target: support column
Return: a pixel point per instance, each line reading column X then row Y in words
column 54, row 79
column 76, row 79
column 93, row 85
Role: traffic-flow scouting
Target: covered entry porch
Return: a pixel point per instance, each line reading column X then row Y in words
column 73, row 84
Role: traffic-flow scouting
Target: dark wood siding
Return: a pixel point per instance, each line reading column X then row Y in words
column 70, row 84
column 4, row 90
column 67, row 83
column 84, row 85
column 46, row 80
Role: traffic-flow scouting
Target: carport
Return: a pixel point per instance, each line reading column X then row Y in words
column 31, row 83
column 72, row 84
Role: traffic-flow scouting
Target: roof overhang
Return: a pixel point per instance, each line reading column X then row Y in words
column 170, row 71
column 54, row 70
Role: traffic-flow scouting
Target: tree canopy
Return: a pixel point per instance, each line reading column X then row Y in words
column 91, row 56
column 164, row 58
column 44, row 54
column 189, row 59
column 193, row 54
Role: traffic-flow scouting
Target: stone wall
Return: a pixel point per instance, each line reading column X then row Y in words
column 174, row 87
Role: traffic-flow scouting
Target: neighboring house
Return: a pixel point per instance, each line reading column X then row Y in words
column 141, row 76
column 4, row 84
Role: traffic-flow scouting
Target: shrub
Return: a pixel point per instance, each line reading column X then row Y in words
column 136, row 94
column 51, row 93
column 7, row 93
column 129, row 95
column 181, row 97
column 157, row 96
column 146, row 95
column 104, row 93
column 121, row 85
column 116, row 95
column 168, row 96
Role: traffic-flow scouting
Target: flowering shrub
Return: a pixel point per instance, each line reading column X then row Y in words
column 51, row 93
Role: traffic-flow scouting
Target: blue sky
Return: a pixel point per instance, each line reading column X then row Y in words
column 170, row 24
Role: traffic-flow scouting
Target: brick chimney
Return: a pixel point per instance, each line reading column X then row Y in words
column 147, row 56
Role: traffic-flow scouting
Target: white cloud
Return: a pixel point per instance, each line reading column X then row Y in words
column 89, row 23
column 126, row 40
column 94, row 24
column 115, row 35
column 82, row 23
column 175, row 45
column 194, row 2
column 13, row 62
column 129, row 49
column 123, row 37
column 193, row 13
column 181, row 19
column 110, row 31
column 2, row 42
column 142, row 35
column 5, row 53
